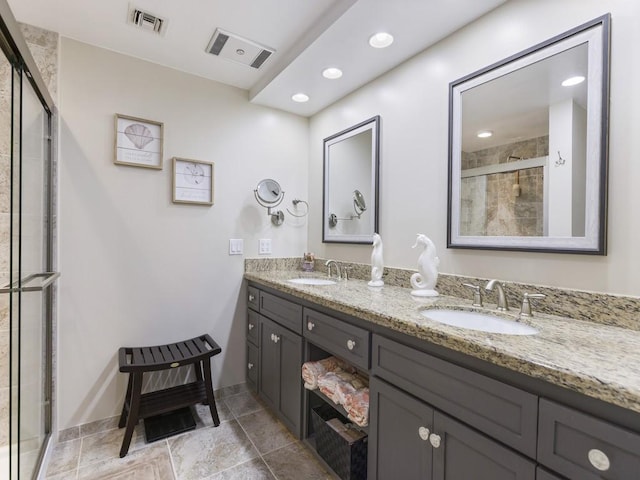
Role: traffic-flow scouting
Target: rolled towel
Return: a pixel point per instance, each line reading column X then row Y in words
column 312, row 370
column 357, row 407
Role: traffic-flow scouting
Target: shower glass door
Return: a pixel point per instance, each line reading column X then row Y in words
column 25, row 280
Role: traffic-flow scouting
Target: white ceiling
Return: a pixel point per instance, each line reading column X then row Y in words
column 308, row 35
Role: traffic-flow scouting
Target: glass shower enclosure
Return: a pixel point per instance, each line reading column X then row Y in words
column 26, row 260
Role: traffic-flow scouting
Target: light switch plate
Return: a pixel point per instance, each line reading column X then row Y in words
column 264, row 247
column 236, row 246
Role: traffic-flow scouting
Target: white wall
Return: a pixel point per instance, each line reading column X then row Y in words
column 137, row 269
column 412, row 101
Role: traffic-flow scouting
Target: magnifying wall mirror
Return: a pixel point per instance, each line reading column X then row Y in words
column 351, row 165
column 269, row 194
column 528, row 148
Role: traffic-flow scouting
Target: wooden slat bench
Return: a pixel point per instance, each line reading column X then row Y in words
column 138, row 360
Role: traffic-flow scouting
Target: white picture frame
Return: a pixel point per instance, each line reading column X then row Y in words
column 138, row 142
column 192, row 181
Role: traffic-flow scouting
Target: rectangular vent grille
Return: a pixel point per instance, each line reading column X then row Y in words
column 237, row 49
column 261, row 58
column 147, row 21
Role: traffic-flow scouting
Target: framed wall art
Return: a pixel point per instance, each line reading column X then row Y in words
column 192, row 181
column 138, row 142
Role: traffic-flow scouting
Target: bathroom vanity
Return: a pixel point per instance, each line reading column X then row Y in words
column 450, row 403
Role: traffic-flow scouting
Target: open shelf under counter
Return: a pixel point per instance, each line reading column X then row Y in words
column 339, row 408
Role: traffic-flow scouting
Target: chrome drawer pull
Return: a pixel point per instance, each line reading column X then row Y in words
column 423, row 432
column 599, row 460
column 251, row 297
column 351, row 344
column 310, row 326
column 250, row 366
column 251, row 325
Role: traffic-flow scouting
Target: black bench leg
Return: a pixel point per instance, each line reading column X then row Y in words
column 134, row 407
column 208, row 386
column 127, row 398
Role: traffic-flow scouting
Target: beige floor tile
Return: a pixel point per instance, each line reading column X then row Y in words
column 230, row 390
column 106, row 445
column 265, row 431
column 252, row 470
column 64, row 458
column 202, row 414
column 204, row 452
column 295, row 462
column 153, row 463
column 243, row 404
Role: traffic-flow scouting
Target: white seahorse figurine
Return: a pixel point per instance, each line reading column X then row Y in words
column 377, row 264
column 425, row 280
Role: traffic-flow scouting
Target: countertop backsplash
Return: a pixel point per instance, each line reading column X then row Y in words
column 607, row 309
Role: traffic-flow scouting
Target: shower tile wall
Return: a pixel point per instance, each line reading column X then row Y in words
column 44, row 48
column 489, row 205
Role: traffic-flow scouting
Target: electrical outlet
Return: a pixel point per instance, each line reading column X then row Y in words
column 236, row 246
column 264, row 247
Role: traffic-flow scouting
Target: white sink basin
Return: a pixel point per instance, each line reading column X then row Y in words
column 479, row 321
column 312, row 281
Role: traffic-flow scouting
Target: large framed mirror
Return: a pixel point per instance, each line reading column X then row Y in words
column 351, row 169
column 528, row 148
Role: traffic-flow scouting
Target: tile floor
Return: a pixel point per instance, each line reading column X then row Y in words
column 249, row 444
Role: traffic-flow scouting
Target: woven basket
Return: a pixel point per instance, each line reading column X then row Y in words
column 344, row 454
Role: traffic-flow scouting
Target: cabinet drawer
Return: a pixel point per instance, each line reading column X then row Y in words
column 253, row 366
column 253, row 298
column 498, row 410
column 286, row 313
column 253, row 321
column 581, row 446
column 338, row 338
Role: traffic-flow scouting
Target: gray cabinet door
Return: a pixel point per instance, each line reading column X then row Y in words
column 253, row 365
column 461, row 453
column 280, row 382
column 253, row 320
column 291, row 380
column 396, row 450
column 269, row 382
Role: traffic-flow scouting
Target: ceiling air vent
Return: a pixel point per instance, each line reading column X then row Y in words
column 237, row 49
column 147, row 21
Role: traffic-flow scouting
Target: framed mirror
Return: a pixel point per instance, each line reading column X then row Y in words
column 351, row 169
column 528, row 148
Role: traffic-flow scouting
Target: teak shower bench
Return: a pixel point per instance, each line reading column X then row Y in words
column 138, row 360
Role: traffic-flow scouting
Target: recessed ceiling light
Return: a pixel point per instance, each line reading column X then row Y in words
column 381, row 40
column 332, row 73
column 300, row 97
column 571, row 81
column 484, row 133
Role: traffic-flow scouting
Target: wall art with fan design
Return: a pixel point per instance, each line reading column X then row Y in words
column 138, row 142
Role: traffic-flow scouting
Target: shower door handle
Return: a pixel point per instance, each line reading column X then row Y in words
column 46, row 279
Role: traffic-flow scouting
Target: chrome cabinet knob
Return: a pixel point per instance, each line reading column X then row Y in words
column 276, row 339
column 250, row 366
column 251, row 326
column 351, row 344
column 599, row 459
column 252, row 297
column 272, row 336
column 435, row 440
column 310, row 326
column 423, row 432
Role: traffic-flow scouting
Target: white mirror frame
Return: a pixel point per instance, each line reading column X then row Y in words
column 372, row 124
column 596, row 34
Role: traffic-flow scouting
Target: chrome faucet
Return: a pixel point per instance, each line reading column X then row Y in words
column 525, row 310
column 328, row 264
column 503, row 304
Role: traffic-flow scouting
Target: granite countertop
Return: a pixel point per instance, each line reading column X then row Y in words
column 600, row 361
